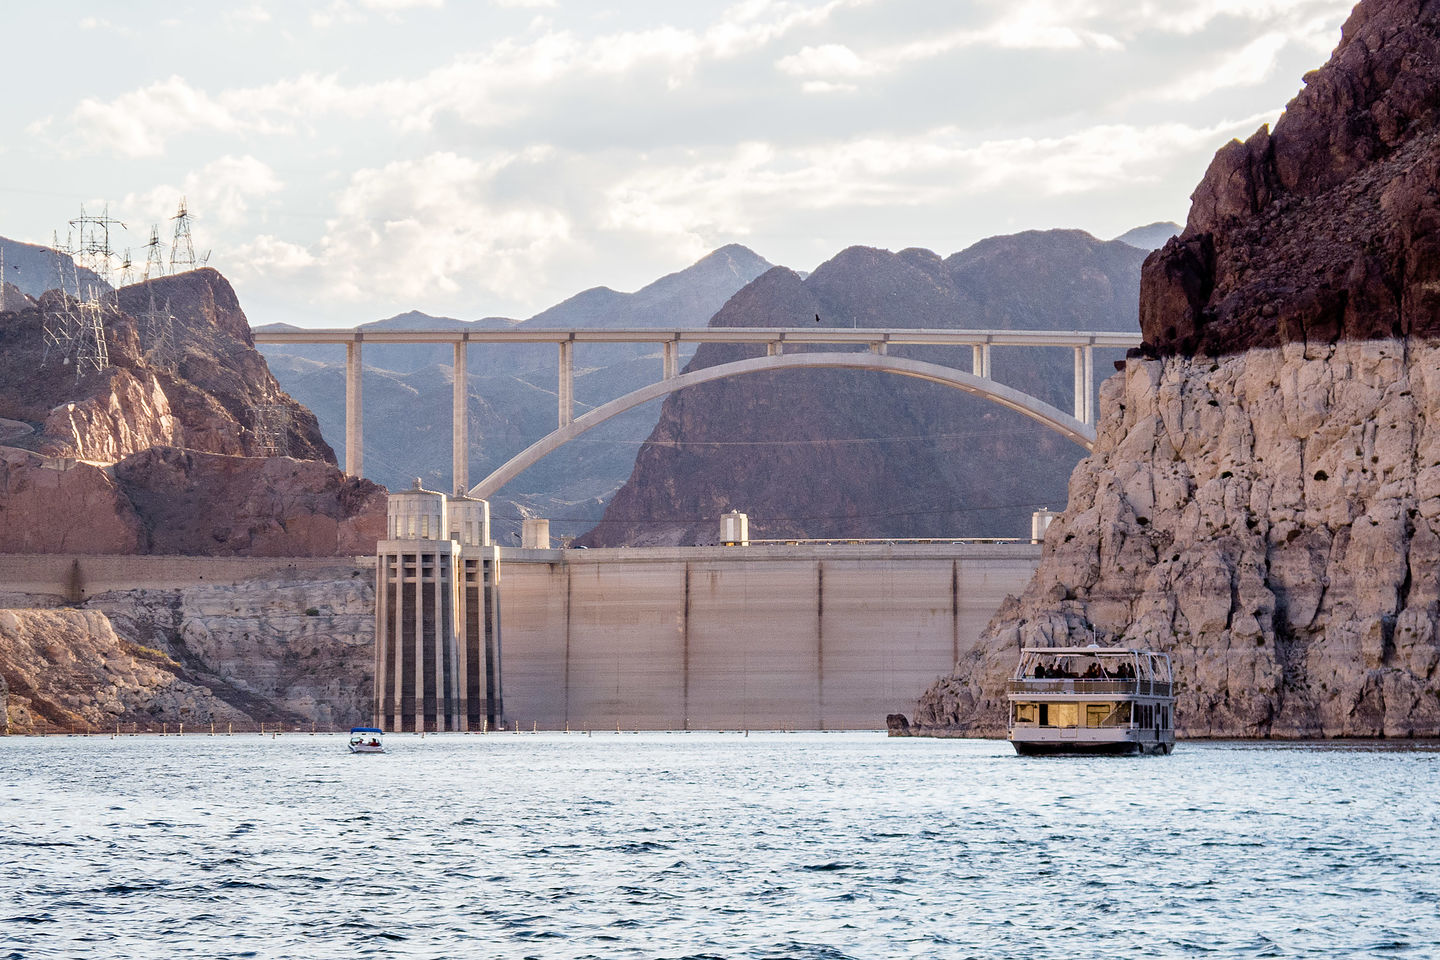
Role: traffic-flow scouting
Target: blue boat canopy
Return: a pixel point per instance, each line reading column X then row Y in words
column 366, row 730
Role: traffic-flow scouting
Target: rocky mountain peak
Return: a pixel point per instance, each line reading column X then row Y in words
column 1326, row 228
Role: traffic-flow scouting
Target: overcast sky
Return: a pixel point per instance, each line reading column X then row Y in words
column 347, row 160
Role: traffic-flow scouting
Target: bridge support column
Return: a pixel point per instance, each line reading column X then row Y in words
column 980, row 360
column 775, row 348
column 354, row 439
column 460, row 424
column 880, row 348
column 1080, row 384
column 1089, row 417
column 671, row 360
column 567, row 382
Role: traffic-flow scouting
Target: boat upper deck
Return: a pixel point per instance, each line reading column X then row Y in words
column 1107, row 672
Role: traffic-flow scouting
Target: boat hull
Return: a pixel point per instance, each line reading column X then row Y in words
column 1111, row 748
column 365, row 748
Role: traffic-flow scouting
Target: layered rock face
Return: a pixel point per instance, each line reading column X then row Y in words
column 70, row 670
column 197, row 503
column 1272, row 520
column 1263, row 501
column 293, row 650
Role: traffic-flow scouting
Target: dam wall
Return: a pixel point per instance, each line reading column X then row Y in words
column 802, row 636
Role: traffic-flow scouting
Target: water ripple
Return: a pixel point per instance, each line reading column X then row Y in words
column 700, row 846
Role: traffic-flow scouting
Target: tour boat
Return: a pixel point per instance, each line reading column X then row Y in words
column 1092, row 700
column 366, row 740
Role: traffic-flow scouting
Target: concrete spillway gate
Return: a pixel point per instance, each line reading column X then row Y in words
column 1037, row 410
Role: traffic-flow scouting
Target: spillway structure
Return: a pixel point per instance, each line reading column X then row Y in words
column 437, row 616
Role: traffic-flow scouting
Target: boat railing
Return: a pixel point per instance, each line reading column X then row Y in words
column 1142, row 688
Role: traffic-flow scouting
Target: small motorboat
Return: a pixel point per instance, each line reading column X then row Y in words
column 366, row 740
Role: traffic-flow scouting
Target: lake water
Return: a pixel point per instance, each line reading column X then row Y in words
column 711, row 845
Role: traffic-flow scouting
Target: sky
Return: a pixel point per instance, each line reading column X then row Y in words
column 347, row 160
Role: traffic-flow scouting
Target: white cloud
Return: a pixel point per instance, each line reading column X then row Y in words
column 829, row 60
column 219, row 195
column 137, row 124
column 1244, row 67
column 486, row 89
column 734, row 192
column 1032, row 24
column 416, row 230
column 1195, row 15
column 254, row 13
column 270, row 256
column 100, row 23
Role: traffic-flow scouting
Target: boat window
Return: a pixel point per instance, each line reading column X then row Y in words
column 1096, row 714
column 1122, row 712
column 1026, row 712
column 1064, row 714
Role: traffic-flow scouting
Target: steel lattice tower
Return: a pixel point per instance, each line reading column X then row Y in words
column 270, row 425
column 154, row 257
column 93, row 250
column 157, row 334
column 182, row 248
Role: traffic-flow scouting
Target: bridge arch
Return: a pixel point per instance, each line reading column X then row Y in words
column 1008, row 397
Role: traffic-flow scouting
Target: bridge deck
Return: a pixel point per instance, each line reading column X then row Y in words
column 862, row 335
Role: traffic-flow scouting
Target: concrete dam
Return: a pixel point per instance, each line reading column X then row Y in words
column 805, row 636
column 828, row 636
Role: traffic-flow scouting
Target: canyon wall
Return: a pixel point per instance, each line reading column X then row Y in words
column 1271, row 520
column 1263, row 499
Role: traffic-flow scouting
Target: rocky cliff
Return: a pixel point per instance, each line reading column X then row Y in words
column 199, row 389
column 1263, row 501
column 831, row 453
column 292, row 650
column 163, row 450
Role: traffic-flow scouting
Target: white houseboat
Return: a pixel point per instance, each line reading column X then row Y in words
column 1094, row 699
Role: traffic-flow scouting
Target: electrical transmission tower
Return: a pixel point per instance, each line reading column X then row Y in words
column 182, row 248
column 270, row 425
column 93, row 250
column 60, row 254
column 75, row 333
column 154, row 255
column 90, row 349
column 157, row 334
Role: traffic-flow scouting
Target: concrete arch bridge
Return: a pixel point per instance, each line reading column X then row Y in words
column 1078, row 425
